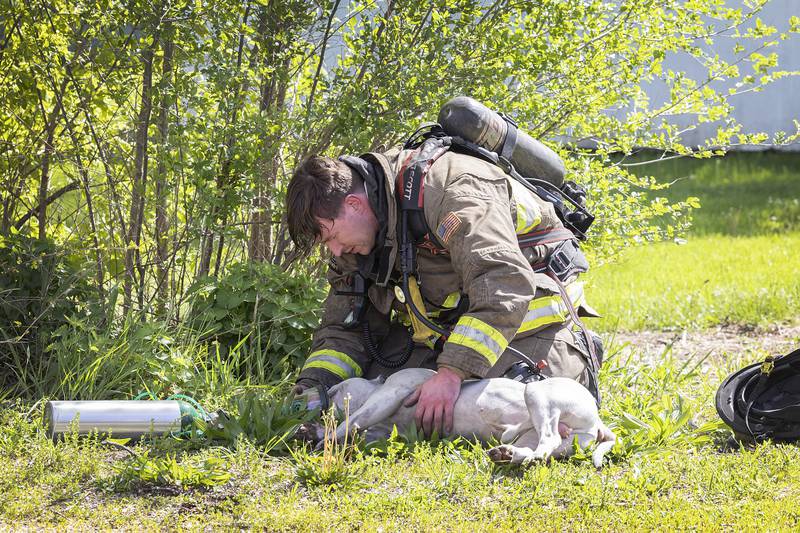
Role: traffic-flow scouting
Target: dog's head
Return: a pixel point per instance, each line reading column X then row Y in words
column 312, row 432
column 347, row 396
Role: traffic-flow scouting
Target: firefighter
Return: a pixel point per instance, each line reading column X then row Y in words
column 475, row 296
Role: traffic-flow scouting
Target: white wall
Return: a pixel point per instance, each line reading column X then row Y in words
column 771, row 110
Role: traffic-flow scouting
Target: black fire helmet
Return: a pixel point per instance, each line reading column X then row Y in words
column 762, row 400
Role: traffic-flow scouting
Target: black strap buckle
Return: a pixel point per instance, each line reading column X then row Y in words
column 358, row 302
column 566, row 260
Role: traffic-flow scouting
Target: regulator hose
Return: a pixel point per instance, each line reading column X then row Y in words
column 374, row 352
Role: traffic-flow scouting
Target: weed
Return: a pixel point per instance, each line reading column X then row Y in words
column 263, row 417
column 148, row 472
column 340, row 465
column 404, row 443
column 650, row 406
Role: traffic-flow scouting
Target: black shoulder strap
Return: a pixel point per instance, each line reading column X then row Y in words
column 577, row 220
column 410, row 187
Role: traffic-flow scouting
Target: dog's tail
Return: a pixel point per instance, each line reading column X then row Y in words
column 605, row 441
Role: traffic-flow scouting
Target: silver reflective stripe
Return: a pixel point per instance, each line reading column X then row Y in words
column 478, row 336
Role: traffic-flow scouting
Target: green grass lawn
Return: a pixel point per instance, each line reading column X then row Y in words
column 711, row 280
column 673, row 468
column 739, row 264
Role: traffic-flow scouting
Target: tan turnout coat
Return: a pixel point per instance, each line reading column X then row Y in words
column 475, row 212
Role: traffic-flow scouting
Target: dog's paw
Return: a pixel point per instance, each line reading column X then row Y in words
column 501, row 454
column 308, row 432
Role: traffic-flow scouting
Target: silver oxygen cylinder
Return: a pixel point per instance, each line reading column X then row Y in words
column 119, row 418
column 469, row 119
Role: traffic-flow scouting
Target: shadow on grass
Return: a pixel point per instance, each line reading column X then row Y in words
column 741, row 194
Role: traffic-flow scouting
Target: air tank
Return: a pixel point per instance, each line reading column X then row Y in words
column 469, row 119
column 119, row 418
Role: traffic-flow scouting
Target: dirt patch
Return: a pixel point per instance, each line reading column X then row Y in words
column 718, row 343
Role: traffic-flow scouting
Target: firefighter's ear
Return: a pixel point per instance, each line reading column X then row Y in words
column 356, row 202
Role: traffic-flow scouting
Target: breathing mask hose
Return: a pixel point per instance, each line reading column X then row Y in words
column 375, row 354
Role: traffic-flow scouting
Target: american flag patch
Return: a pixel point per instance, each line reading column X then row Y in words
column 448, row 226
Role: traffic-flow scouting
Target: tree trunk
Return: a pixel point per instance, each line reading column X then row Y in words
column 273, row 97
column 223, row 176
column 84, row 173
column 162, row 223
column 44, row 181
column 139, row 182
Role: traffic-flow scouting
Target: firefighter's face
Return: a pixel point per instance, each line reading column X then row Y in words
column 353, row 231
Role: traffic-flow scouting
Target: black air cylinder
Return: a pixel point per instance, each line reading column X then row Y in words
column 469, row 119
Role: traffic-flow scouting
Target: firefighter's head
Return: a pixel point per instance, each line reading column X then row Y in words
column 326, row 203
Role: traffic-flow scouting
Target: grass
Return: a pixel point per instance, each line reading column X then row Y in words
column 672, row 469
column 738, row 264
column 742, row 194
column 709, row 281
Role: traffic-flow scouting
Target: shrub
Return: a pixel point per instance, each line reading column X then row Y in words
column 274, row 312
column 41, row 286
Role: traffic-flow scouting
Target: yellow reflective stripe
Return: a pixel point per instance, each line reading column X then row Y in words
column 480, row 337
column 330, row 367
column 452, row 299
column 337, row 362
column 526, row 221
column 551, row 309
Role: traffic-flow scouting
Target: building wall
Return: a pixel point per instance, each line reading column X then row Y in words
column 771, row 110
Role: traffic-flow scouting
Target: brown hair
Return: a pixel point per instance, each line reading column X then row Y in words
column 317, row 190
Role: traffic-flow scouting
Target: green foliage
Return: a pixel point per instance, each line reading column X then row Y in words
column 628, row 209
column 42, row 285
column 143, row 471
column 119, row 360
column 160, row 137
column 652, row 407
column 339, row 466
column 404, row 443
column 268, row 420
column 274, row 311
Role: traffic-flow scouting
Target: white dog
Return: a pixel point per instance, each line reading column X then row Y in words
column 524, row 418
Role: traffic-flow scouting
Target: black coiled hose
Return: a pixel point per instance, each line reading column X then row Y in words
column 374, row 353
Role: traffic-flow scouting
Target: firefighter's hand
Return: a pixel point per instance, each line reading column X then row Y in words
column 305, row 397
column 435, row 400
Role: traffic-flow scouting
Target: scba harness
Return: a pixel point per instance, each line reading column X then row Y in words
column 431, row 142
